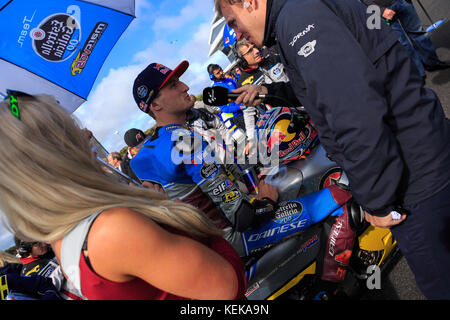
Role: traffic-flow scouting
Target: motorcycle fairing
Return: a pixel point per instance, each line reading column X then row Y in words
column 296, row 215
column 275, row 270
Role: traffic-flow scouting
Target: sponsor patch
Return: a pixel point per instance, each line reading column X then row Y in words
column 231, row 196
column 222, row 187
column 307, row 49
column 208, row 170
column 142, row 91
column 79, row 63
column 286, row 210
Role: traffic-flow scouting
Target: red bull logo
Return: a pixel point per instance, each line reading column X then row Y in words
column 161, row 68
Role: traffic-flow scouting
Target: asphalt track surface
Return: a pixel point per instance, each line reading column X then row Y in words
column 398, row 283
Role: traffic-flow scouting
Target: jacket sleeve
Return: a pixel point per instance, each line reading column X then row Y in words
column 242, row 212
column 284, row 91
column 345, row 97
column 231, row 108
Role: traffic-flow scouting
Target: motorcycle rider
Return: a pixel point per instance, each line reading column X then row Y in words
column 367, row 100
column 184, row 165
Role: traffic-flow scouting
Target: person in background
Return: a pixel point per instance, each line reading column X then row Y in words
column 36, row 257
column 403, row 18
column 133, row 138
column 231, row 114
column 115, row 160
column 237, row 71
column 161, row 257
column 258, row 66
column 14, row 285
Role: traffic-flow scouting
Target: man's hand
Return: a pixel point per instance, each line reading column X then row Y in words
column 249, row 148
column 383, row 222
column 248, row 94
column 267, row 191
column 388, row 14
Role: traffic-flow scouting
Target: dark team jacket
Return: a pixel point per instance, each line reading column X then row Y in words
column 365, row 97
column 43, row 265
column 250, row 75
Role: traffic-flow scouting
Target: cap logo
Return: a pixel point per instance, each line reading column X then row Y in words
column 139, row 137
column 142, row 92
column 161, row 68
column 143, row 106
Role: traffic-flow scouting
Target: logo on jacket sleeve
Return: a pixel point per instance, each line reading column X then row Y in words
column 301, row 34
column 308, row 49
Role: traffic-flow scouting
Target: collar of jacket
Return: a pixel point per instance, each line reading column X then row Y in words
column 273, row 10
column 249, row 69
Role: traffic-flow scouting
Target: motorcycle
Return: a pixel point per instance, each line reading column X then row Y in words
column 298, row 266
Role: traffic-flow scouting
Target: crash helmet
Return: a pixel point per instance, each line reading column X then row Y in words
column 286, row 131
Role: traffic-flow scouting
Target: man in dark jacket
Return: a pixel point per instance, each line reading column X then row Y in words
column 373, row 115
column 258, row 66
column 404, row 19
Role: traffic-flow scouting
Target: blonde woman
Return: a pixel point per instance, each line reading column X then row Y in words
column 136, row 244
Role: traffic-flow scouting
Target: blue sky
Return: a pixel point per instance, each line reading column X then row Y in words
column 166, row 32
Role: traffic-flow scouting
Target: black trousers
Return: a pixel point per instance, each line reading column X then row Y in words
column 424, row 239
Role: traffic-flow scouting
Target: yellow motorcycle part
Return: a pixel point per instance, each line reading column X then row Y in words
column 3, row 288
column 310, row 270
column 377, row 239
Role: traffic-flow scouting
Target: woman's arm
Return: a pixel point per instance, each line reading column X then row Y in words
column 124, row 244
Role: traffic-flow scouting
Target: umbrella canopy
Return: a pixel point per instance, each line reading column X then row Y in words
column 57, row 47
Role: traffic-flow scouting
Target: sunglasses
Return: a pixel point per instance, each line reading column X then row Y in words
column 13, row 96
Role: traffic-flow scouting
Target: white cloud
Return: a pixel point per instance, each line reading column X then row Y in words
column 111, row 108
column 195, row 51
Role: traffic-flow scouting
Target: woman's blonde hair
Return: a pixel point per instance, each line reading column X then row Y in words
column 50, row 180
column 8, row 258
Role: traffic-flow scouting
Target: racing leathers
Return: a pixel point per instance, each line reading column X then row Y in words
column 184, row 164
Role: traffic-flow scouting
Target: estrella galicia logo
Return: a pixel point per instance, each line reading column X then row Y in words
column 54, row 39
column 288, row 211
column 208, row 169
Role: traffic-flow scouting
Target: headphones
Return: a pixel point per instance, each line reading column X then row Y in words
column 241, row 62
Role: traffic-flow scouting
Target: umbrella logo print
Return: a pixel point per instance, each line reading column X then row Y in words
column 37, row 34
column 54, row 40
